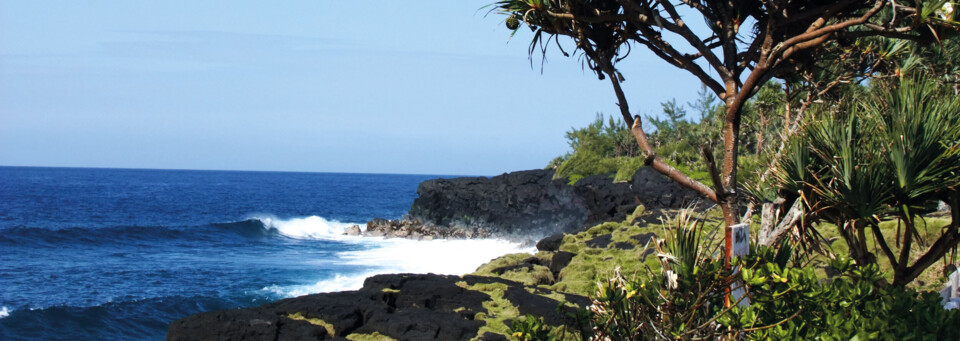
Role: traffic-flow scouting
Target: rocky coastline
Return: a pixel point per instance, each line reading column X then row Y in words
column 520, row 205
column 525, row 205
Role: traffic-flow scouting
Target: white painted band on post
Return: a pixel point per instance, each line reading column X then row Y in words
column 741, row 247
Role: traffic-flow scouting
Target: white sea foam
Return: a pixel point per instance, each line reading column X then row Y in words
column 441, row 256
column 4, row 312
column 338, row 283
column 397, row 255
column 312, row 227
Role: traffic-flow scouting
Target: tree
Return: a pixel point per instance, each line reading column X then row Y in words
column 894, row 154
column 748, row 43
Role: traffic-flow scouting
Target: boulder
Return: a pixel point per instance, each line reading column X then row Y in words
column 377, row 223
column 551, row 243
column 353, row 230
column 559, row 261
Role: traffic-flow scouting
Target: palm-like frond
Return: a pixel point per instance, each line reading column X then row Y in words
column 852, row 184
column 920, row 127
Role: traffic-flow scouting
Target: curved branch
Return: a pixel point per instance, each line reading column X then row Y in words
column 636, row 126
column 597, row 19
column 681, row 29
column 788, row 47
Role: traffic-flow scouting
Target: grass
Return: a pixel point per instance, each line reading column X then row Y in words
column 931, row 279
column 499, row 309
column 500, row 312
column 313, row 321
column 369, row 337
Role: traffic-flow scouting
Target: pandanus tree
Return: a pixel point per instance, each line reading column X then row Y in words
column 746, row 43
column 891, row 155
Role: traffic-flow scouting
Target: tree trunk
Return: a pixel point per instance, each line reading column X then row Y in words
column 790, row 219
column 949, row 240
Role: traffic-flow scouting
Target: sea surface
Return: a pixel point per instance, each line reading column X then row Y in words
column 118, row 254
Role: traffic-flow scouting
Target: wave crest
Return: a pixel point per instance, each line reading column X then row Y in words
column 312, row 227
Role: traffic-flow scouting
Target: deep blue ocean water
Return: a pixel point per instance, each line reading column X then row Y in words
column 103, row 254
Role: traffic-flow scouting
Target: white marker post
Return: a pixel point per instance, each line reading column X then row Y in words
column 741, row 247
column 951, row 293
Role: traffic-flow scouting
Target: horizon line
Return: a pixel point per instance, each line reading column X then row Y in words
column 234, row 170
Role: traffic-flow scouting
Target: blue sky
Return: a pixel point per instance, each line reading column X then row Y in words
column 429, row 87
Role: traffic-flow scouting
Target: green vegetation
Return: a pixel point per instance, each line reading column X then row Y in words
column 839, row 123
column 891, row 155
column 499, row 309
column 375, row 336
column 792, row 297
column 811, row 49
column 313, row 321
column 604, row 147
column 514, row 267
column 607, row 147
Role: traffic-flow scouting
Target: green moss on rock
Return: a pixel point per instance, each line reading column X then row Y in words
column 375, row 336
column 518, row 267
column 313, row 321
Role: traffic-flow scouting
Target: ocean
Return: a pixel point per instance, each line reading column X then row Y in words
column 118, row 254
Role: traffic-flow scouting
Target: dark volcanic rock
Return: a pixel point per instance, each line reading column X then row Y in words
column 527, row 200
column 402, row 306
column 600, row 242
column 559, row 261
column 532, row 203
column 643, row 238
column 551, row 243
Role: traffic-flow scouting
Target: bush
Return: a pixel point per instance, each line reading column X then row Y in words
column 794, row 304
column 786, row 303
column 603, row 147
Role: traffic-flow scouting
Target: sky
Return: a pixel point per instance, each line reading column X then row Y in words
column 418, row 87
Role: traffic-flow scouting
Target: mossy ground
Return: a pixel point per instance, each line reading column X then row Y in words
column 499, row 309
column 521, row 269
column 500, row 312
column 627, row 249
column 596, row 258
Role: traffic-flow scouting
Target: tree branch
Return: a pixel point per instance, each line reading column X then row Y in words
column 787, row 48
column 946, row 242
column 684, row 31
column 668, row 53
column 652, row 160
column 878, row 236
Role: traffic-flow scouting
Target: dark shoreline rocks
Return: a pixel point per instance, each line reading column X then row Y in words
column 531, row 202
column 524, row 205
column 413, row 229
column 400, row 306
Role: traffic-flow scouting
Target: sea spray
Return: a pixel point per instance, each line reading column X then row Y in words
column 312, row 227
column 396, row 255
